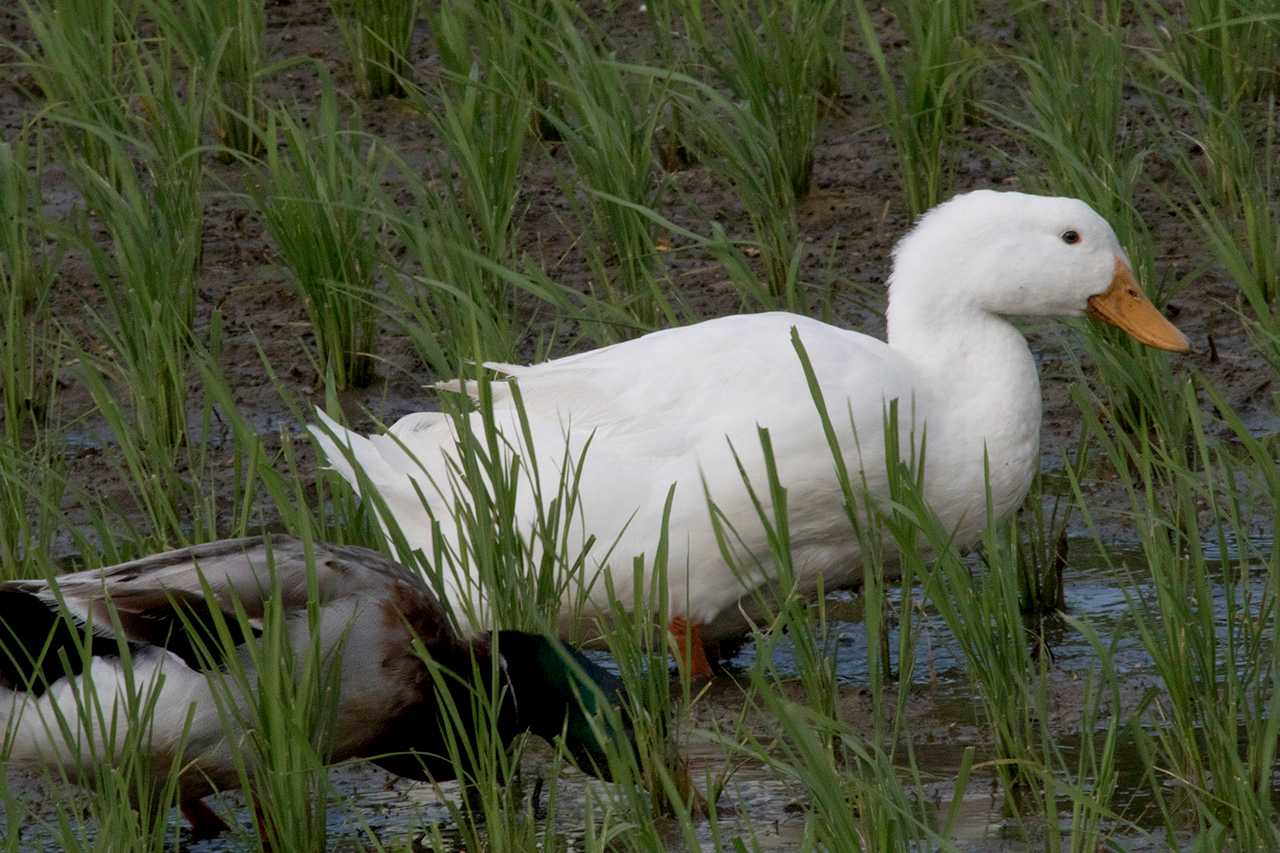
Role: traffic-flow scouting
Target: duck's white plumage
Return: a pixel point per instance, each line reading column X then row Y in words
column 668, row 409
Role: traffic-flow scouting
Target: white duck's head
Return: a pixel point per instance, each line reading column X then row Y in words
column 1014, row 254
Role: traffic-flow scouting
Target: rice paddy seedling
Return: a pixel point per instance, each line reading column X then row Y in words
column 1041, row 547
column 502, row 42
column 453, row 295
column 484, row 121
column 924, row 111
column 461, row 242
column 777, row 58
column 454, row 301
column 606, row 119
column 731, row 141
column 79, row 72
column 984, row 613
column 853, row 798
column 28, row 267
column 222, row 41
column 1236, row 210
column 33, row 481
column 880, row 531
column 318, row 187
column 673, row 52
column 490, row 815
column 654, row 778
column 102, row 742
column 1090, row 780
column 1217, row 715
column 1225, row 51
column 788, row 611
column 1075, row 71
column 378, row 35
column 283, row 699
column 147, row 277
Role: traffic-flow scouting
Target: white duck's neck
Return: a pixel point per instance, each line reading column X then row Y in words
column 952, row 340
column 981, row 395
column 969, row 349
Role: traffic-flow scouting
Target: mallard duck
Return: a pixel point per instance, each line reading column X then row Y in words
column 668, row 410
column 370, row 610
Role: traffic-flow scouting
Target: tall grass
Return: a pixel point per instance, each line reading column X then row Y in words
column 317, row 191
column 1074, row 69
column 28, row 267
column 79, row 72
column 466, row 236
column 33, row 481
column 1234, row 205
column 283, row 699
column 379, row 35
column 1217, row 716
column 607, row 120
column 778, row 58
column 925, row 108
column 483, row 120
column 730, row 140
column 103, row 741
column 222, row 41
column 147, row 279
column 1226, row 51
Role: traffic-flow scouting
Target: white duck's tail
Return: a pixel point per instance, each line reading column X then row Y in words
column 407, row 486
column 346, row 451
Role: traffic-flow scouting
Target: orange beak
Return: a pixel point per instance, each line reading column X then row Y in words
column 1124, row 306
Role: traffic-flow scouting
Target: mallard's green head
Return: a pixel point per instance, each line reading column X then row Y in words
column 558, row 690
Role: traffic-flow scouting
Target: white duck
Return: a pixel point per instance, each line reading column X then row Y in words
column 661, row 411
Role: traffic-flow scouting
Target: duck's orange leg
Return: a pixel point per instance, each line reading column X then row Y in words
column 692, row 653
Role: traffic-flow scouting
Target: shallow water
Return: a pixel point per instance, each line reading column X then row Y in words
column 761, row 807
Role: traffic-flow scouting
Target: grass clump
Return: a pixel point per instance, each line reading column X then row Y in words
column 378, row 34
column 277, row 684
column 924, row 111
column 80, row 73
column 223, row 41
column 778, row 58
column 318, row 186
column 1206, row 633
column 730, row 140
column 147, row 277
column 607, row 119
column 28, row 267
column 1235, row 206
column 1073, row 65
column 1226, row 51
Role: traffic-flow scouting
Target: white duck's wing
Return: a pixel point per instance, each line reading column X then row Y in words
column 684, row 408
column 657, row 411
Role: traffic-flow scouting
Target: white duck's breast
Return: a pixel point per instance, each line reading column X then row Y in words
column 983, row 429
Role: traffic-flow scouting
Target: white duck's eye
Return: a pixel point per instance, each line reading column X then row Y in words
column 1071, row 237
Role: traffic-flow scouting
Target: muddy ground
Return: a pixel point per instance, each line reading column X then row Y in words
column 850, row 221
